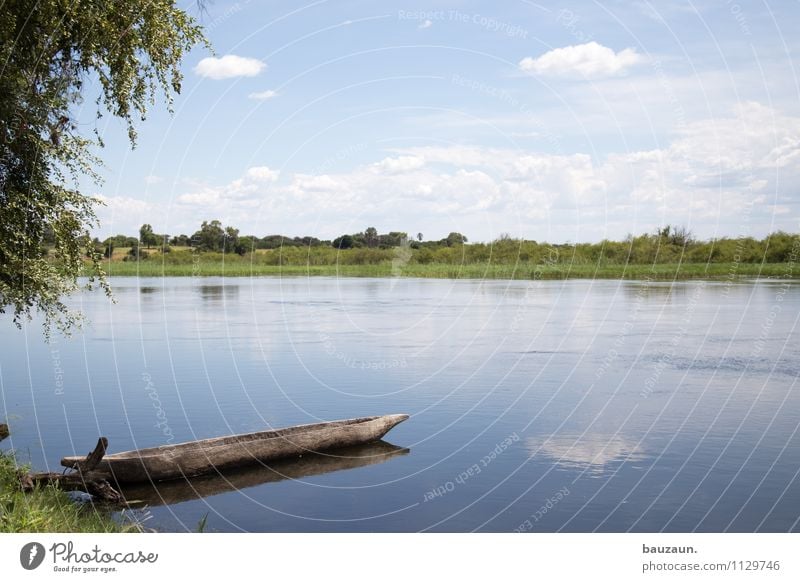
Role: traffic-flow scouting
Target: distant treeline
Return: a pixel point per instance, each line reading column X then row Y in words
column 214, row 237
column 667, row 245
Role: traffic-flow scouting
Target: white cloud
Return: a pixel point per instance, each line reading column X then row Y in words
column 263, row 95
column 152, row 180
column 262, row 174
column 470, row 156
column 205, row 197
column 228, row 67
column 242, row 192
column 705, row 178
column 123, row 205
column 589, row 60
column 425, row 24
column 400, row 164
column 304, row 184
column 124, row 214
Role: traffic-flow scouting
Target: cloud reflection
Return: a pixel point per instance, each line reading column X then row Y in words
column 592, row 453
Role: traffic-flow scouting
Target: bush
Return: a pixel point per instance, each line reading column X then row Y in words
column 137, row 254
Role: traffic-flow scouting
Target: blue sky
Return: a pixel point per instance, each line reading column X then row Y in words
column 559, row 121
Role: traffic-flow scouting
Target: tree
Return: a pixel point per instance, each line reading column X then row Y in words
column 147, row 237
column 48, row 51
column 210, row 237
column 371, row 237
column 247, row 244
column 230, row 242
column 180, row 240
column 454, row 238
column 275, row 241
column 307, row 241
column 343, row 242
column 675, row 235
column 393, row 239
column 781, row 247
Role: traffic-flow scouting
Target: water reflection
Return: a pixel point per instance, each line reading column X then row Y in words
column 219, row 292
column 668, row 292
column 591, row 453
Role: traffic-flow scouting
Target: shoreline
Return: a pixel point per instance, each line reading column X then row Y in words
column 48, row 509
column 519, row 272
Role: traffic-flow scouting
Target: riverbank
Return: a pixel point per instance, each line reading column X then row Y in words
column 48, row 509
column 235, row 266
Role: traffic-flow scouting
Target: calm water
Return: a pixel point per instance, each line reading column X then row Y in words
column 539, row 406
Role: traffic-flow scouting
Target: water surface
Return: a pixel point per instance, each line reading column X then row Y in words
column 535, row 406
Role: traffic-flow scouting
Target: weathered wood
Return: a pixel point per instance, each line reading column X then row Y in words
column 92, row 459
column 83, row 479
column 4, row 432
column 103, row 490
column 231, row 452
column 193, row 488
column 94, row 485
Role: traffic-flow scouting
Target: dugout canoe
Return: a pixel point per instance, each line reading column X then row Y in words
column 193, row 488
column 230, row 452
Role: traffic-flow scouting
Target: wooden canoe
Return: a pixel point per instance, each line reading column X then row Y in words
column 225, row 453
column 216, row 483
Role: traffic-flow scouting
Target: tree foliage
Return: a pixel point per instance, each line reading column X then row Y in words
column 49, row 51
column 343, row 242
column 454, row 238
column 371, row 237
column 212, row 236
column 147, row 237
column 663, row 246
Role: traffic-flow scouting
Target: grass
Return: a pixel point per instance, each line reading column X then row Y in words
column 235, row 266
column 49, row 510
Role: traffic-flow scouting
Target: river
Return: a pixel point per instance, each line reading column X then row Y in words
column 535, row 406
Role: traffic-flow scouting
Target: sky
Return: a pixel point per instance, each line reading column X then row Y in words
column 551, row 121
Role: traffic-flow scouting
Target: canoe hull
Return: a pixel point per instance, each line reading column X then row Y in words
column 225, row 453
column 202, row 486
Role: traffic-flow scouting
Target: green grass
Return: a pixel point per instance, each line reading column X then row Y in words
column 234, row 266
column 48, row 509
